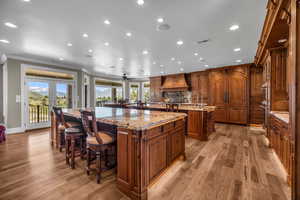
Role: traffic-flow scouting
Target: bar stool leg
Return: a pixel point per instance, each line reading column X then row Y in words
column 67, row 151
column 98, row 166
column 73, row 153
column 88, row 161
column 81, row 148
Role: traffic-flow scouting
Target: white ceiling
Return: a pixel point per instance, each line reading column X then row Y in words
column 46, row 26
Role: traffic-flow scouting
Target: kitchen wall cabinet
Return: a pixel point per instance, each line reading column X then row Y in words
column 278, row 79
column 155, row 89
column 199, row 86
column 229, row 91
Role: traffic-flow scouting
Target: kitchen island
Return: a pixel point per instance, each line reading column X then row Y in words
column 200, row 121
column 147, row 144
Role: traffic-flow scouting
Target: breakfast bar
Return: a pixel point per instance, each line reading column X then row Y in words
column 147, row 144
column 200, row 122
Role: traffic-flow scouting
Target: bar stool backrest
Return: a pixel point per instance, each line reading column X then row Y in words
column 89, row 122
column 59, row 115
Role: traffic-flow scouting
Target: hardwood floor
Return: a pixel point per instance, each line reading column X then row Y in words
column 234, row 164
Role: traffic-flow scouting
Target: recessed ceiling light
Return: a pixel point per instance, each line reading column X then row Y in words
column 234, row 27
column 107, row 22
column 196, row 54
column 26, row 0
column 106, row 44
column 173, row 59
column 90, row 51
column 201, row 59
column 181, row 69
column 237, row 49
column 161, row 65
column 121, row 59
column 61, row 59
column 128, row 34
column 69, row 44
column 160, row 20
column 179, row 42
column 154, row 63
column 238, row 61
column 145, row 52
column 179, row 62
column 5, row 41
column 140, row 2
column 10, row 25
column 85, row 35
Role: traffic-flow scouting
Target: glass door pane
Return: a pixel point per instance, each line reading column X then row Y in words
column 103, row 95
column 38, row 102
column 64, row 95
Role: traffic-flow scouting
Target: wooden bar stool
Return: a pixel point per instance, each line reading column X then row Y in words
column 74, row 145
column 98, row 143
column 61, row 125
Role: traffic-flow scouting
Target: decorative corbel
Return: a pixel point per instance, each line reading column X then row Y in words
column 288, row 14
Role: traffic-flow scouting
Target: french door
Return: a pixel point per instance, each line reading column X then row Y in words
column 41, row 95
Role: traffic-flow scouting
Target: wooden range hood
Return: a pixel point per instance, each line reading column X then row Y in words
column 176, row 82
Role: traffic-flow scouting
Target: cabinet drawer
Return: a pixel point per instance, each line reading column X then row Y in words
column 154, row 132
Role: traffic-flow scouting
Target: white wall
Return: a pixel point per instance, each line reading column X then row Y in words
column 1, row 95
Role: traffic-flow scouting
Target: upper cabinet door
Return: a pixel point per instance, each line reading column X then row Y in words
column 237, row 87
column 217, row 84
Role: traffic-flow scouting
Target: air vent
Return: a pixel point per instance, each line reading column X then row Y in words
column 203, row 41
column 112, row 67
column 89, row 55
column 163, row 27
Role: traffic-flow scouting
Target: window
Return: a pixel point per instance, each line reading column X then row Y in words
column 108, row 92
column 103, row 94
column 134, row 92
column 146, row 92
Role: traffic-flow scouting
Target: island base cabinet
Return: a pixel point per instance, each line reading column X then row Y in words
column 144, row 155
column 200, row 124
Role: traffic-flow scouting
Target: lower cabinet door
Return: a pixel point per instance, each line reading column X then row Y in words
column 220, row 114
column 237, row 115
column 177, row 143
column 157, row 149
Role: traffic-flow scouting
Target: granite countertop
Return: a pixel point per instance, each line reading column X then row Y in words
column 182, row 107
column 130, row 118
column 284, row 116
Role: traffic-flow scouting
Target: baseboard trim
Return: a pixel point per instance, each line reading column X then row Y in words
column 15, row 130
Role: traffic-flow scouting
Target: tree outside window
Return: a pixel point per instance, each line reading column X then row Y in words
column 134, row 92
column 146, row 92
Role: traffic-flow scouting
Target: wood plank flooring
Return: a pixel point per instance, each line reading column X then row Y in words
column 234, row 164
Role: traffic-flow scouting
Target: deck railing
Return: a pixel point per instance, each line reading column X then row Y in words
column 38, row 113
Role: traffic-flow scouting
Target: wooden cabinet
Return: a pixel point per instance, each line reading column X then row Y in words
column 228, row 90
column 217, row 93
column 176, row 143
column 155, row 88
column 146, row 154
column 200, row 124
column 256, row 96
column 278, row 79
column 280, row 141
column 199, row 86
column 157, row 149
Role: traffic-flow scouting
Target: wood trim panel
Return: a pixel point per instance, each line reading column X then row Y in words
column 294, row 94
